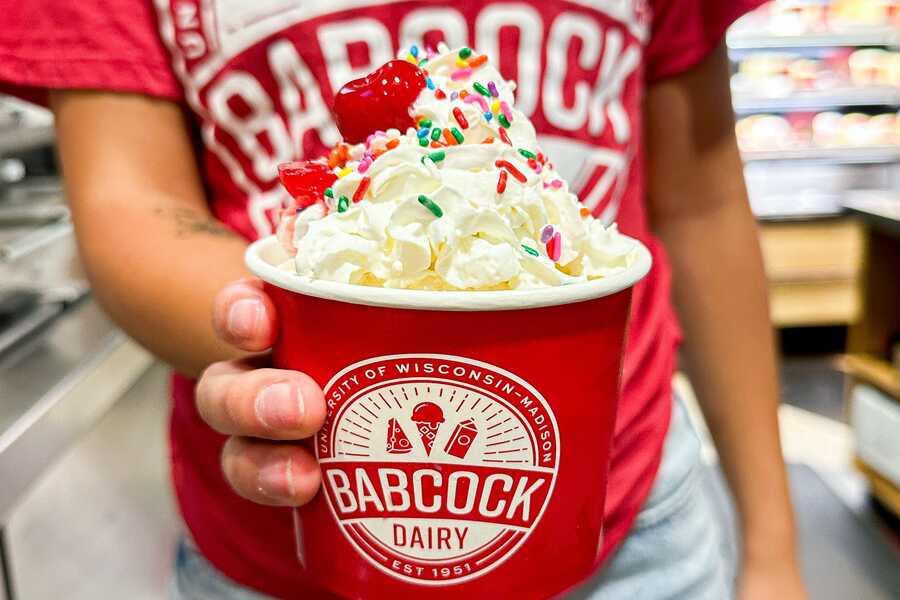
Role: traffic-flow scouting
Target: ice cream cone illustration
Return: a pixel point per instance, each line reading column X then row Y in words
column 428, row 417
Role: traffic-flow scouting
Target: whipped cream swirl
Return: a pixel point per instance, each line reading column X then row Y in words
column 475, row 206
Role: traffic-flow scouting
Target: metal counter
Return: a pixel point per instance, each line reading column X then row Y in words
column 70, row 367
column 63, row 363
column 55, row 388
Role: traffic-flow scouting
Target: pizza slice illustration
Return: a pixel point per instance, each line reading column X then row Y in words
column 397, row 442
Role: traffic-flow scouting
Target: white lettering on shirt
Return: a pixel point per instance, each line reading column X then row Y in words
column 528, row 55
column 449, row 21
column 335, row 39
column 565, row 29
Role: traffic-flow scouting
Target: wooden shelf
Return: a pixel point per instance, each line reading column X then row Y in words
column 880, row 287
column 813, row 268
column 886, row 492
column 814, row 304
column 872, row 370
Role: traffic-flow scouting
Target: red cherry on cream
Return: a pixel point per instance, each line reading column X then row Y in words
column 306, row 181
column 379, row 101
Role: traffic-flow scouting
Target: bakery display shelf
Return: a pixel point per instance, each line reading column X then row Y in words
column 796, row 205
column 817, row 100
column 739, row 41
column 787, row 214
column 844, row 155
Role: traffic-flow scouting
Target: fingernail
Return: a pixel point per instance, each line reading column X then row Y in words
column 245, row 317
column 280, row 406
column 277, row 480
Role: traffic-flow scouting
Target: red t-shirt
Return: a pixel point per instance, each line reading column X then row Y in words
column 258, row 78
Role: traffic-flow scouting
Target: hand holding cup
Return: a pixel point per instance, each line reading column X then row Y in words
column 263, row 409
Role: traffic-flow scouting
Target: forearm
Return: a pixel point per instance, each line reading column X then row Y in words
column 155, row 269
column 700, row 211
column 153, row 253
column 720, row 295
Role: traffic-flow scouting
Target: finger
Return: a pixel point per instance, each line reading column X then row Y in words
column 236, row 399
column 244, row 316
column 270, row 473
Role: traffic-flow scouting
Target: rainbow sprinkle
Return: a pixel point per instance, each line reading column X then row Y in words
column 344, row 172
column 505, row 164
column 501, row 182
column 457, row 135
column 461, row 74
column 492, row 88
column 448, row 138
column 436, row 134
column 465, row 52
column 429, row 83
column 343, row 203
column 431, row 206
column 546, row 233
column 423, row 141
column 503, row 120
column 361, row 189
column 472, row 98
column 460, row 117
column 554, row 247
column 481, row 89
column 530, row 250
column 527, row 153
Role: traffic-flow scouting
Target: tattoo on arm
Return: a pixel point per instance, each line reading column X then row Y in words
column 190, row 222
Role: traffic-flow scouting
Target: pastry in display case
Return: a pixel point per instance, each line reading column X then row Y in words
column 803, row 17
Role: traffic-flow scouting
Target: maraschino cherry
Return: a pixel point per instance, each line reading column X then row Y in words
column 306, row 181
column 379, row 101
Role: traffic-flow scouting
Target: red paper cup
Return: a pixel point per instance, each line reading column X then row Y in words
column 467, row 443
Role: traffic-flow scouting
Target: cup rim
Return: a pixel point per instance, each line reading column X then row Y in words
column 435, row 300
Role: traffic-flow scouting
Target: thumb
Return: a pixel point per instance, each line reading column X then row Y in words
column 244, row 316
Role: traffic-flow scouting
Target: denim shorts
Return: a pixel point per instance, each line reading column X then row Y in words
column 675, row 549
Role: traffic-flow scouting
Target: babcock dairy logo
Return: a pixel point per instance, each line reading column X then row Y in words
column 436, row 467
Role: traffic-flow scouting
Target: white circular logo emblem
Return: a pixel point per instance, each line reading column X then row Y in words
column 435, row 467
